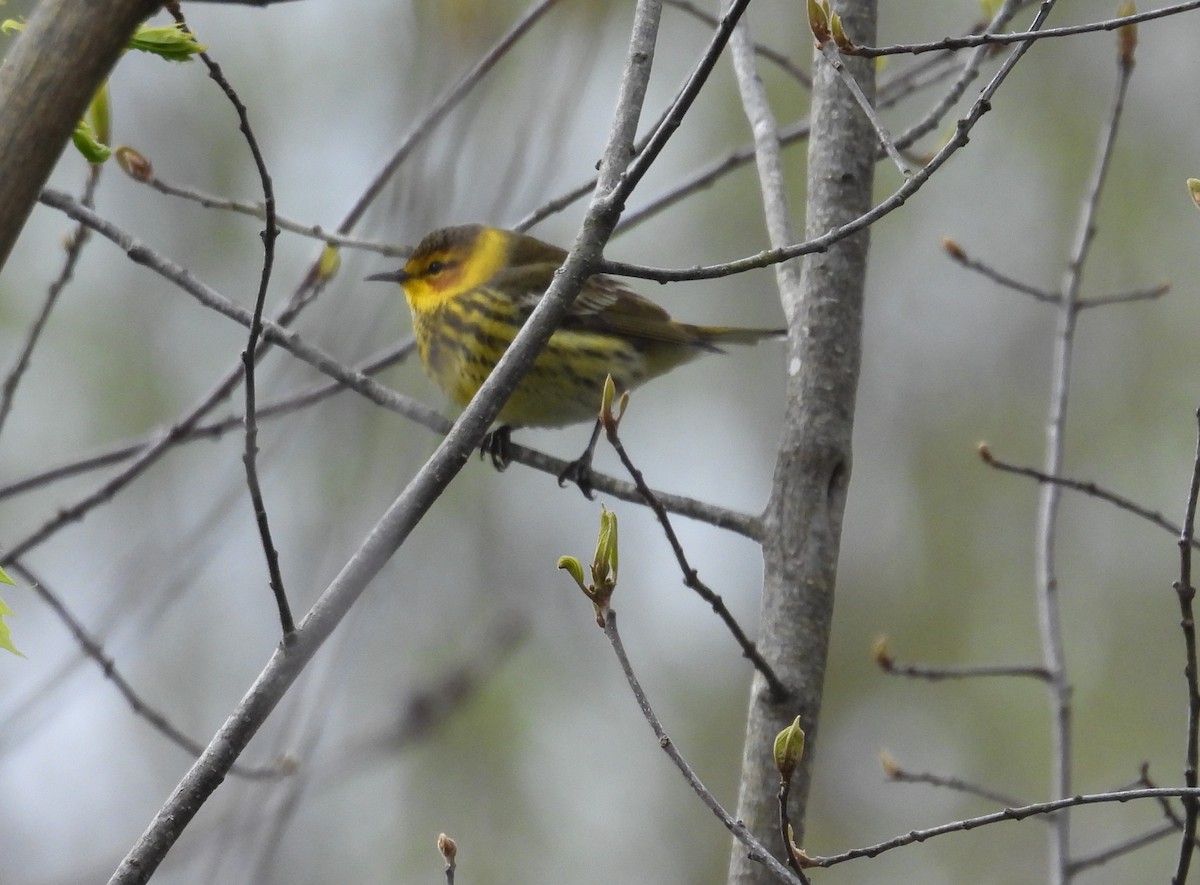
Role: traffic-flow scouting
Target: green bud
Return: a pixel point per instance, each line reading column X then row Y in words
column 574, row 568
column 4, row 577
column 789, row 749
column 171, row 42
column 93, row 150
column 607, row 396
column 604, row 564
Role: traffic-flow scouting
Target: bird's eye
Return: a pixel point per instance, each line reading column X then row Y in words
column 435, row 267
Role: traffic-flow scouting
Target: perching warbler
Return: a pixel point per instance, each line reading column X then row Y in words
column 470, row 288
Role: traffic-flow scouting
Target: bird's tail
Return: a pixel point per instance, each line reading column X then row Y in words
column 712, row 336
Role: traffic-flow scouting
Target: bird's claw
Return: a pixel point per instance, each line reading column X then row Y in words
column 579, row 472
column 497, row 446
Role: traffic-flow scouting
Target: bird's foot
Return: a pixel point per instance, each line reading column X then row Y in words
column 497, row 445
column 579, row 472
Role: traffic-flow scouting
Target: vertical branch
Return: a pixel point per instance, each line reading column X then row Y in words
column 1187, row 594
column 250, row 354
column 802, row 521
column 1049, row 606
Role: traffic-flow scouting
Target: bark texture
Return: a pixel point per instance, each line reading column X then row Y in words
column 803, row 518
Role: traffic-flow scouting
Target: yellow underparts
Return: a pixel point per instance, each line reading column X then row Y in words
column 462, row 339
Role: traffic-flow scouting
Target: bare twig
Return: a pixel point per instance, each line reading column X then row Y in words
column 1147, row 294
column 828, row 51
column 1125, row 846
column 1087, row 488
column 690, row 577
column 778, row 59
column 75, row 244
column 756, row 850
column 960, row 256
column 258, row 210
column 212, row 430
column 1019, row 813
column 1030, row 36
column 939, row 674
column 269, row 236
column 92, row 648
column 1049, row 607
column 901, row 775
column 1187, row 594
column 796, row 859
column 441, row 107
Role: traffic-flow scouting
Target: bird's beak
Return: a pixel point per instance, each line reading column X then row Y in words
column 394, row 276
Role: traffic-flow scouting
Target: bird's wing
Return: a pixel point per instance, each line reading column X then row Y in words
column 605, row 306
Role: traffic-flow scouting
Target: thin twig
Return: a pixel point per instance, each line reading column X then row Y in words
column 441, row 107
column 691, row 579
column 829, row 52
column 756, row 849
column 795, row 861
column 75, row 244
column 1125, row 846
column 212, row 430
column 1187, row 594
column 1147, row 294
column 1030, row 36
column 1023, row 812
column 1049, row 606
column 269, row 235
column 895, row 773
column 258, row 210
column 1087, row 488
column 92, row 648
column 960, row 256
column 776, row 58
column 939, row 674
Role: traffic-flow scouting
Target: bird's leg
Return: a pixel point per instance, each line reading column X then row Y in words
column 579, row 471
column 496, row 445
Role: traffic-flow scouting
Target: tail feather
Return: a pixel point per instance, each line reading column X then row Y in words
column 711, row 336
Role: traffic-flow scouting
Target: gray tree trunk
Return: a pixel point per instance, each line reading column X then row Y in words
column 803, row 518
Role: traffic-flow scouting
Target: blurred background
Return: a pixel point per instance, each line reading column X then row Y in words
column 470, row 692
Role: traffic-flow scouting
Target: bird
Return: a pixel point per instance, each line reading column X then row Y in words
column 471, row 287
